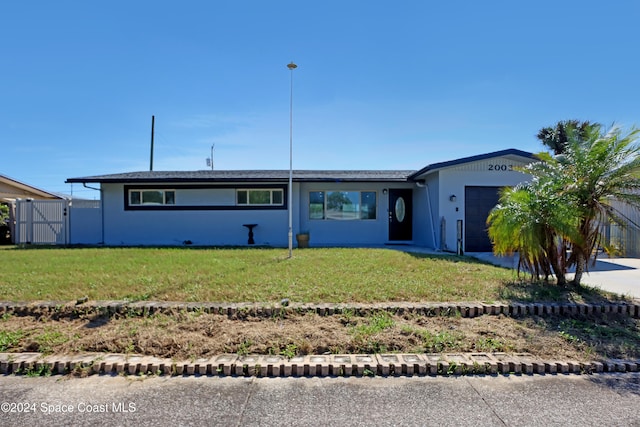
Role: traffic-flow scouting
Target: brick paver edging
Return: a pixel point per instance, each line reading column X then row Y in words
column 306, row 366
column 465, row 309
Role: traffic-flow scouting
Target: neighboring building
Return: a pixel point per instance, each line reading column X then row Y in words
column 443, row 206
column 11, row 191
column 623, row 241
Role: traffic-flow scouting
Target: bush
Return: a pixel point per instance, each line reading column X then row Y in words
column 4, row 214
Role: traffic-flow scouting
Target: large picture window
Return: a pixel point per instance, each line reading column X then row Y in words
column 342, row 205
column 259, row 197
column 152, row 197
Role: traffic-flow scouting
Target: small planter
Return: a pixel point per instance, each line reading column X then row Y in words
column 303, row 240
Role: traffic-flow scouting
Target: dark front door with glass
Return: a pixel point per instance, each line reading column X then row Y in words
column 400, row 214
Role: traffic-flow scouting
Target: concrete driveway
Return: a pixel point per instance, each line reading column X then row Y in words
column 619, row 275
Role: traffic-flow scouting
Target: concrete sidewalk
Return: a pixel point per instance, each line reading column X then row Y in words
column 550, row 400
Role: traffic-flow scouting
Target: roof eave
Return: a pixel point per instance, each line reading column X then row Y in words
column 29, row 188
column 160, row 180
column 220, row 180
column 435, row 167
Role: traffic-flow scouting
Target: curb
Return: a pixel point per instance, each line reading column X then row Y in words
column 464, row 309
column 274, row 366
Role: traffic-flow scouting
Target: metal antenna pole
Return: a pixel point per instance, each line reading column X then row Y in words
column 153, row 122
column 291, row 66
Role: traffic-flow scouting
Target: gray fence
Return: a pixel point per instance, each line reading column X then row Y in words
column 58, row 222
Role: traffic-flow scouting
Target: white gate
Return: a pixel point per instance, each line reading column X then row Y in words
column 42, row 222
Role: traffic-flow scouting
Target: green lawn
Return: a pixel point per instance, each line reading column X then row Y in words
column 312, row 276
column 253, row 275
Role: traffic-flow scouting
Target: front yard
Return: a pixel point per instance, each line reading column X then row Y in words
column 313, row 276
column 260, row 275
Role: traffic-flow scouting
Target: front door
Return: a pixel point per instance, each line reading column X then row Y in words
column 400, row 214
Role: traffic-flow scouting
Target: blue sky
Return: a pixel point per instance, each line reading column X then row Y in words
column 380, row 84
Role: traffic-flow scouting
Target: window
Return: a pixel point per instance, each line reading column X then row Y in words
column 342, row 205
column 260, row 197
column 152, row 197
column 187, row 197
column 316, row 205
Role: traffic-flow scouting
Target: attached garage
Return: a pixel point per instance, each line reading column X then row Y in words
column 458, row 196
column 478, row 202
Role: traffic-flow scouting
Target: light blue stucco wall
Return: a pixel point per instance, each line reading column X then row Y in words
column 225, row 227
column 424, row 206
column 85, row 222
column 200, row 227
column 353, row 232
column 430, row 216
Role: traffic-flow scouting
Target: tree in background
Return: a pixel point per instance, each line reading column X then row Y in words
column 557, row 137
column 5, row 237
column 4, row 214
column 554, row 221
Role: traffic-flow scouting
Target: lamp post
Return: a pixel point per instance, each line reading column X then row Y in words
column 291, row 66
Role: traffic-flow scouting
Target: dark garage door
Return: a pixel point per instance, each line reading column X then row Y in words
column 478, row 203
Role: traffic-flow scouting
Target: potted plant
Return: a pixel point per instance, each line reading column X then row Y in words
column 303, row 239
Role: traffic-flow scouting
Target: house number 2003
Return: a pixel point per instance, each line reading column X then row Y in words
column 501, row 168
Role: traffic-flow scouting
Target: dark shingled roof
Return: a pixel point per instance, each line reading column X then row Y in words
column 283, row 175
column 249, row 175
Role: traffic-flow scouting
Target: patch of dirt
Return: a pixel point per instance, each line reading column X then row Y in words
column 193, row 335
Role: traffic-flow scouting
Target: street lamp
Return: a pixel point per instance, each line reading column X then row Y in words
column 291, row 66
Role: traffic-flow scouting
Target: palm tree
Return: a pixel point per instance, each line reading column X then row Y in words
column 604, row 167
column 554, row 221
column 531, row 219
column 556, row 137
